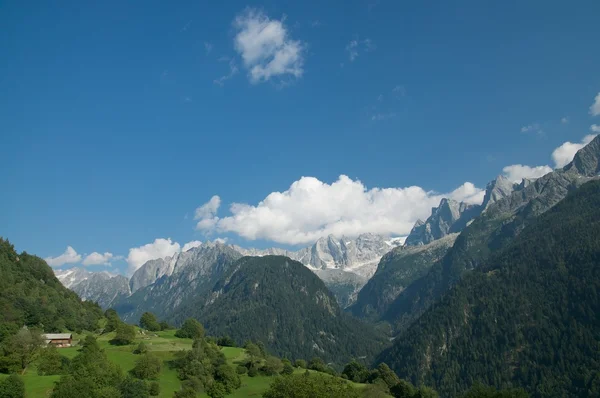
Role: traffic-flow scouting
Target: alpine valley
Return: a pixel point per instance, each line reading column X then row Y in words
column 504, row 293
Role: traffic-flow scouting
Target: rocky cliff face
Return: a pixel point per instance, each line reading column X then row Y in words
column 449, row 217
column 152, row 270
column 191, row 274
column 101, row 287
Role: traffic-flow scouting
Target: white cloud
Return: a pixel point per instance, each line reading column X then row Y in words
column 564, row 120
column 311, row 208
column 160, row 248
column 70, row 256
column 532, row 128
column 208, row 209
column 595, row 108
column 565, row 153
column 595, row 128
column 96, row 258
column 517, row 172
column 399, row 90
column 356, row 46
column 266, row 48
column 190, row 245
column 233, row 70
column 208, row 47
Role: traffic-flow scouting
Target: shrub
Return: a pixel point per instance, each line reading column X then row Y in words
column 154, row 389
column 241, row 370
column 191, row 329
column 147, row 367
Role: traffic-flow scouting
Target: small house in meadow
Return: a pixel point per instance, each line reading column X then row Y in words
column 58, row 339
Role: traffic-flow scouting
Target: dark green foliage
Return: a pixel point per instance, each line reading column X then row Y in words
column 479, row 390
column 154, row 389
column 217, row 390
column 310, row 386
column 91, row 374
column 356, row 372
column 141, row 348
column 31, row 295
column 165, row 326
column 21, row 349
column 241, row 370
column 280, row 302
column 526, row 318
column 51, row 362
column 125, row 334
column 203, row 366
column 272, row 366
column 300, row 363
column 133, row 388
column 288, row 369
column 149, row 322
column 317, row 364
column 12, row 387
column 112, row 320
column 191, row 329
column 253, row 371
column 147, row 367
column 186, row 392
column 396, row 271
column 384, row 373
column 228, row 377
column 226, row 342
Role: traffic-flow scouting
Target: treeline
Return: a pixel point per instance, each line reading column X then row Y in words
column 526, row 318
column 31, row 295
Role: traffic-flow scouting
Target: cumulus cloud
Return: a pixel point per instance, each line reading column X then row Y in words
column 565, row 153
column 70, row 256
column 266, row 47
column 191, row 245
column 517, row 172
column 595, row 128
column 96, row 258
column 311, row 208
column 160, row 248
column 595, row 108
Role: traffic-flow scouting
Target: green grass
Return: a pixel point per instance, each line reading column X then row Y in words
column 162, row 344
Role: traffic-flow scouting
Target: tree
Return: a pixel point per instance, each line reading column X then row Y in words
column 386, row 374
column 288, row 369
column 154, row 389
column 226, row 341
column 24, row 346
column 317, row 364
column 191, row 329
column 356, row 372
column 125, row 334
column 132, row 388
column 141, row 348
column 300, row 363
column 217, row 390
column 272, row 366
column 112, row 320
column 479, row 390
column 310, row 386
column 149, row 322
column 51, row 362
column 253, row 351
column 12, row 387
column 147, row 367
column 228, row 377
column 164, row 325
column 185, row 393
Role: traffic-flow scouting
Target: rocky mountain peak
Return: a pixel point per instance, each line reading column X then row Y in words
column 587, row 160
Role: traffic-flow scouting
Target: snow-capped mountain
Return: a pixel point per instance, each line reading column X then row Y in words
column 102, row 287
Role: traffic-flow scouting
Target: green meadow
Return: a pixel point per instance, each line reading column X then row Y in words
column 164, row 345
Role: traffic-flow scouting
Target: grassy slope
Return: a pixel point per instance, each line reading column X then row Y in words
column 162, row 344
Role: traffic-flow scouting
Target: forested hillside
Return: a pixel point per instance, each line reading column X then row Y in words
column 31, row 295
column 281, row 303
column 526, row 317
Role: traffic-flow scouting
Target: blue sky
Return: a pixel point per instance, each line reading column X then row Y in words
column 119, row 120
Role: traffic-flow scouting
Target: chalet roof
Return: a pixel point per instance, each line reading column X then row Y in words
column 58, row 336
